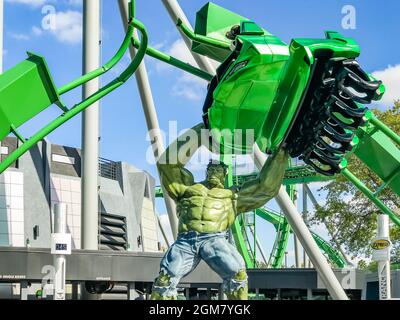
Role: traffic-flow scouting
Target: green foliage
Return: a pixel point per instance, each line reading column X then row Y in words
column 348, row 215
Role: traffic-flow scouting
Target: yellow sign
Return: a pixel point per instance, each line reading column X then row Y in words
column 380, row 244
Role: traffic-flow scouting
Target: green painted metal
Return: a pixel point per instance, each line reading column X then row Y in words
column 379, row 150
column 159, row 192
column 334, row 257
column 157, row 54
column 370, row 195
column 237, row 227
column 220, row 44
column 276, row 219
column 212, row 23
column 293, row 175
column 385, row 129
column 282, row 239
column 114, row 84
column 237, row 233
column 283, row 233
column 32, row 78
column 380, row 154
column 262, row 89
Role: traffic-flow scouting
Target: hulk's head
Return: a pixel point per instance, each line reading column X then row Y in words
column 216, row 172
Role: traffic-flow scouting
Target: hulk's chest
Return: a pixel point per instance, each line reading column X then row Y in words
column 198, row 196
column 199, row 190
column 199, row 199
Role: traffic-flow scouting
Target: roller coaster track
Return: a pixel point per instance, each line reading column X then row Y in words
column 277, row 220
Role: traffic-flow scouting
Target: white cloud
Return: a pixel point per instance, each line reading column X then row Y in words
column 391, row 79
column 67, row 27
column 187, row 85
column 32, row 3
column 177, row 49
column 37, row 31
column 190, row 87
column 180, row 51
column 19, row 36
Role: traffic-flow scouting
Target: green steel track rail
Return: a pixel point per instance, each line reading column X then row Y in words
column 277, row 219
column 379, row 151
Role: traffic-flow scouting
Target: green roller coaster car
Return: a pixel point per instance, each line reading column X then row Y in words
column 307, row 97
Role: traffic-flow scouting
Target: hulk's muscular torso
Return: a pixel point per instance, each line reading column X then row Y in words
column 206, row 210
column 208, row 207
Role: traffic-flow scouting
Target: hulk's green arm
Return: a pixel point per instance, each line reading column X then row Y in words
column 255, row 193
column 171, row 165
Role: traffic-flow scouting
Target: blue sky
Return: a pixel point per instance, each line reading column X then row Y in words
column 178, row 96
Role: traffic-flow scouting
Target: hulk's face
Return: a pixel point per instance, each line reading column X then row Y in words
column 215, row 175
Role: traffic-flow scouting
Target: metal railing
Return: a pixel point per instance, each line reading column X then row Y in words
column 108, row 169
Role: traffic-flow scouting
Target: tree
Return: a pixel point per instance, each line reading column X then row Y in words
column 348, row 215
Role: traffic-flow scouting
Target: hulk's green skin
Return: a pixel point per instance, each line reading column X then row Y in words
column 209, row 207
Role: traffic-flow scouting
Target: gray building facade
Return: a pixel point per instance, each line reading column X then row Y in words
column 49, row 174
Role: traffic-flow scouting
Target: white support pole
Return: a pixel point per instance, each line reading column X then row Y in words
column 383, row 258
column 306, row 260
column 61, row 243
column 162, row 231
column 150, row 114
column 90, row 127
column 301, row 231
column 175, row 12
column 297, row 251
column 260, row 248
column 297, row 247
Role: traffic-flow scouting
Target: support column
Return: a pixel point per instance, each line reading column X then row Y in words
column 306, row 260
column 259, row 246
column 150, row 113
column 59, row 260
column 297, row 247
column 383, row 258
column 90, row 126
column 301, row 231
column 175, row 12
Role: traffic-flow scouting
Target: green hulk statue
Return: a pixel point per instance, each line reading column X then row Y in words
column 206, row 210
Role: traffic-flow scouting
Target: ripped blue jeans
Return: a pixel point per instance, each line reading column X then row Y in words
column 185, row 254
